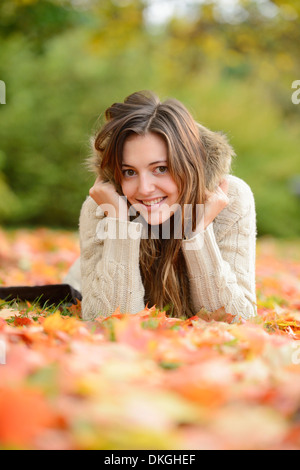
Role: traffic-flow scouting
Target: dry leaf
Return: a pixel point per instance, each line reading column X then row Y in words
column 201, row 382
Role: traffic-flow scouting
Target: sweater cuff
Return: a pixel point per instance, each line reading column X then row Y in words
column 202, row 253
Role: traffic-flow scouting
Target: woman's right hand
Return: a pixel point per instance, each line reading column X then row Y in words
column 106, row 196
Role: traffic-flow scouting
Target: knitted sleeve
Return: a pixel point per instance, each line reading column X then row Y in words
column 221, row 259
column 110, row 273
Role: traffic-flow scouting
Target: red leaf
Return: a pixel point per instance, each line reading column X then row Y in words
column 22, row 321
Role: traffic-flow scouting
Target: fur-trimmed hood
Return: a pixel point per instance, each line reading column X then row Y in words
column 218, row 165
column 219, row 156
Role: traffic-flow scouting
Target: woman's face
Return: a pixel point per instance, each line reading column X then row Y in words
column 146, row 181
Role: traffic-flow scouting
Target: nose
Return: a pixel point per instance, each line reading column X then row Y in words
column 146, row 185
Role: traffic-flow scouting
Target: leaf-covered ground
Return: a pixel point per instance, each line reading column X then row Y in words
column 147, row 381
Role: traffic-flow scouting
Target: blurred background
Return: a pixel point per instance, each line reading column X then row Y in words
column 231, row 62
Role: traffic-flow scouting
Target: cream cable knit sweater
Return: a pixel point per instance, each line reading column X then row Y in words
column 220, row 261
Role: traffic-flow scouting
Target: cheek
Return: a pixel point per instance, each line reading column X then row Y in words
column 127, row 188
column 172, row 188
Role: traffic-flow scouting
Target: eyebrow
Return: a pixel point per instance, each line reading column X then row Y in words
column 153, row 163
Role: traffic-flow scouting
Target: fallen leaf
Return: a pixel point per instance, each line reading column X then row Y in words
column 24, row 414
column 218, row 315
column 6, row 313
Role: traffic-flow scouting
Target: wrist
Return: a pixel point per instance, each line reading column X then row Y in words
column 189, row 233
column 123, row 216
column 122, row 210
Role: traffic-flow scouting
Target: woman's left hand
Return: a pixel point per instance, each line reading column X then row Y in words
column 215, row 202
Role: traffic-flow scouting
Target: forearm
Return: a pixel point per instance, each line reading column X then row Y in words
column 109, row 266
column 222, row 278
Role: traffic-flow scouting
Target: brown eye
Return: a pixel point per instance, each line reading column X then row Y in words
column 128, row 173
column 162, row 169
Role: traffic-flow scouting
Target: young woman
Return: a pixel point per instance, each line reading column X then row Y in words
column 152, row 162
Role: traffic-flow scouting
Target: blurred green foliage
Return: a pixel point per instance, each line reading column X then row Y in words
column 64, row 62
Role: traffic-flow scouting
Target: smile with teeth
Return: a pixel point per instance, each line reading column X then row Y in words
column 153, row 202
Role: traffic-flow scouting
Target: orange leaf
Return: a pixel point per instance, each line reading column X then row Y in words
column 55, row 322
column 22, row 321
column 75, row 309
column 24, row 414
column 217, row 315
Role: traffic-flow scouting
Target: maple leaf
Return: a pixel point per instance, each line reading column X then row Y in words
column 232, row 375
column 75, row 309
column 218, row 315
column 22, row 321
column 55, row 322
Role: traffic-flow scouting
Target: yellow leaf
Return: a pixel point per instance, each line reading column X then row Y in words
column 56, row 322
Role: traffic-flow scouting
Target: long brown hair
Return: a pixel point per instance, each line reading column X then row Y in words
column 162, row 264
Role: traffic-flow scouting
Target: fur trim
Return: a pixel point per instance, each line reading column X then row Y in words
column 219, row 156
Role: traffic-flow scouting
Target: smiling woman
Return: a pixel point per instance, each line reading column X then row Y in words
column 152, row 156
